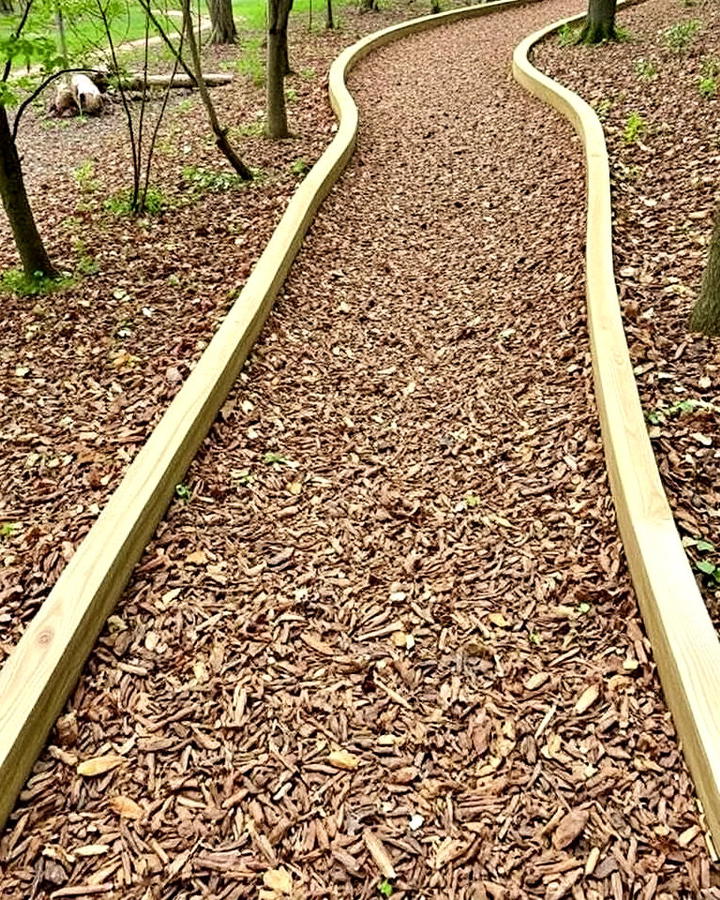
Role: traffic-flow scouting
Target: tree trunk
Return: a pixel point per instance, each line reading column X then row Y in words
column 368, row 5
column 600, row 22
column 705, row 316
column 329, row 21
column 278, row 13
column 223, row 23
column 220, row 133
column 17, row 206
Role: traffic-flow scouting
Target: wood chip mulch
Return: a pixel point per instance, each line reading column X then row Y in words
column 86, row 373
column 389, row 645
column 663, row 78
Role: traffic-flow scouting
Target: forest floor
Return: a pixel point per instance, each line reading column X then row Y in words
column 658, row 96
column 387, row 644
column 85, row 373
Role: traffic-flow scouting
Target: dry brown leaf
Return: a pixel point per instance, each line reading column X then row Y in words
column 99, row 765
column 91, row 850
column 126, row 807
column 499, row 620
column 341, row 759
column 536, row 681
column 379, row 854
column 587, row 698
column 570, row 827
column 278, row 880
column 197, row 558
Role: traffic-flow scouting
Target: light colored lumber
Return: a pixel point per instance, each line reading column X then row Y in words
column 685, row 643
column 46, row 663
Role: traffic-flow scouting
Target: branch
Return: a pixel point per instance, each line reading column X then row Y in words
column 14, row 36
column 168, row 43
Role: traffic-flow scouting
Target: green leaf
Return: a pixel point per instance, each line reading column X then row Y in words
column 385, row 888
column 707, row 568
column 704, row 545
column 183, row 492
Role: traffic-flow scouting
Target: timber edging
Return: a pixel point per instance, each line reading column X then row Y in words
column 44, row 666
column 684, row 641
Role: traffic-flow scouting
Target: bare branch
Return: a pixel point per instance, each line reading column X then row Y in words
column 14, row 36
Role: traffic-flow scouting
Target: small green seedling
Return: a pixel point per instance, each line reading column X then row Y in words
column 567, row 35
column 299, row 166
column 84, row 176
column 682, row 407
column 243, row 477
column 634, row 127
column 706, row 566
column 603, row 107
column 623, row 33
column 708, row 86
column 213, row 182
column 645, row 69
column 584, row 608
column 183, row 492
column 8, row 529
column 385, row 888
column 472, row 500
column 277, row 460
column 679, row 37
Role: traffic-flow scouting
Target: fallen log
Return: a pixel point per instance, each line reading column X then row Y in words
column 137, row 80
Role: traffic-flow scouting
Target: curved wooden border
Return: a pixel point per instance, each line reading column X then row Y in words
column 685, row 643
column 43, row 668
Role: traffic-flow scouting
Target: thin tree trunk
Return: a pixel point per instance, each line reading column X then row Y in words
column 600, row 22
column 223, row 23
column 329, row 21
column 60, row 24
column 278, row 12
column 705, row 316
column 17, row 206
column 220, row 133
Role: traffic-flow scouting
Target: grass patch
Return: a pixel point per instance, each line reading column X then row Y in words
column 634, row 128
column 121, row 203
column 15, row 281
column 679, row 37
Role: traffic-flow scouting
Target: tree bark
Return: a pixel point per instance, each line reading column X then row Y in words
column 329, row 21
column 705, row 316
column 223, row 23
column 17, row 206
column 368, row 5
column 277, row 65
column 600, row 22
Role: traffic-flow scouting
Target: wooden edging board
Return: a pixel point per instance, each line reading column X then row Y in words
column 44, row 666
column 684, row 641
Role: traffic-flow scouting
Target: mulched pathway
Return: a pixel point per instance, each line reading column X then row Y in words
column 665, row 196
column 390, row 640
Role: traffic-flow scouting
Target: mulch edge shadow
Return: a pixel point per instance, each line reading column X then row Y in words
column 684, row 640
column 43, row 668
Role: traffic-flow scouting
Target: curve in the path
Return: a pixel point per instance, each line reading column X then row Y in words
column 38, row 676
column 685, row 643
column 401, row 546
